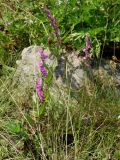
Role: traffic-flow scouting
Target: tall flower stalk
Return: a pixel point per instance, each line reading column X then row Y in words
column 43, row 69
column 88, row 45
column 44, row 73
column 42, row 54
column 39, row 89
column 53, row 24
column 86, row 50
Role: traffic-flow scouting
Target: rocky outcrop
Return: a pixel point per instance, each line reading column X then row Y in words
column 68, row 70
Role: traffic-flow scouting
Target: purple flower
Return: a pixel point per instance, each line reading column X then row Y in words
column 53, row 21
column 86, row 57
column 53, row 24
column 47, row 11
column 39, row 90
column 43, row 69
column 88, row 45
column 44, row 72
column 85, row 50
column 49, row 15
column 42, row 54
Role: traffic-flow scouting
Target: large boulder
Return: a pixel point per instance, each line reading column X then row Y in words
column 64, row 69
column 68, row 71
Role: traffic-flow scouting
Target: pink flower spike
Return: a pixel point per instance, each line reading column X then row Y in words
column 40, row 63
column 41, row 95
column 39, row 84
column 39, row 90
column 88, row 43
column 43, row 55
column 43, row 69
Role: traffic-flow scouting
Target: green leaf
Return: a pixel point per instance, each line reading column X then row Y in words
column 41, row 110
column 13, row 127
column 49, row 77
column 97, row 50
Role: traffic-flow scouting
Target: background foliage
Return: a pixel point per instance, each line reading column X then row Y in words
column 23, row 23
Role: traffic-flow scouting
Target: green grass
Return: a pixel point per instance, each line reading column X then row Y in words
column 89, row 123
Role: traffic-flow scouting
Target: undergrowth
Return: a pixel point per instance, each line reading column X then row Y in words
column 85, row 128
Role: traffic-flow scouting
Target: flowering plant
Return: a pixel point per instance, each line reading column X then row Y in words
column 53, row 24
column 86, row 50
column 44, row 74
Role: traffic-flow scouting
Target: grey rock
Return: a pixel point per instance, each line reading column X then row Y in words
column 28, row 71
column 68, row 71
column 77, row 78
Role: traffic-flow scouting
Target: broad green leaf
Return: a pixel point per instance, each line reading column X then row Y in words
column 13, row 127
